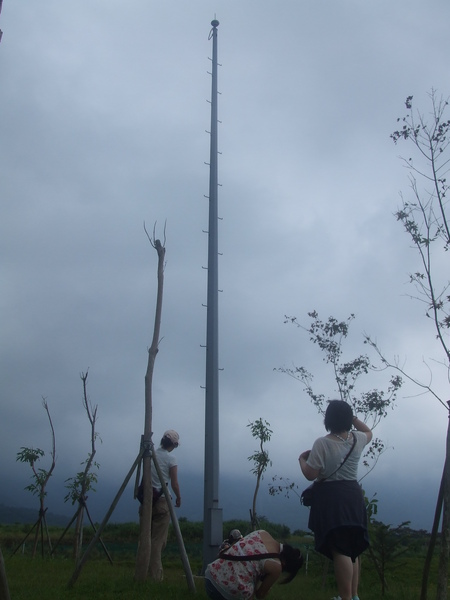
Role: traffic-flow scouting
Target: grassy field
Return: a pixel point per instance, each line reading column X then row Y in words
column 47, row 578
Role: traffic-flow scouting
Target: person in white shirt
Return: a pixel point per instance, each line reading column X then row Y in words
column 338, row 515
column 160, row 510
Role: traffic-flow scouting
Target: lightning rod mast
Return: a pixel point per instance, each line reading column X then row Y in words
column 212, row 515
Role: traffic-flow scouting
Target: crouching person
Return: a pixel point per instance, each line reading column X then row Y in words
column 250, row 567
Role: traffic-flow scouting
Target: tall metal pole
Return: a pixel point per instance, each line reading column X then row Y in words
column 212, row 515
column 1, row 32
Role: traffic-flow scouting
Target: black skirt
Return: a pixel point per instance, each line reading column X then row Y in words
column 338, row 518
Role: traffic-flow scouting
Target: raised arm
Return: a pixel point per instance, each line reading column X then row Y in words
column 361, row 426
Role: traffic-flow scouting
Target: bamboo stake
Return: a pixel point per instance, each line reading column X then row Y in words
column 103, row 524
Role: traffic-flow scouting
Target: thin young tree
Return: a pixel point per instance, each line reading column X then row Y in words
column 79, row 486
column 146, row 456
column 371, row 404
column 425, row 217
column 387, row 544
column 144, row 547
column 260, row 431
column 40, row 478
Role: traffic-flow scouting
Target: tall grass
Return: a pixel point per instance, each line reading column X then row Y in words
column 48, row 578
column 44, row 579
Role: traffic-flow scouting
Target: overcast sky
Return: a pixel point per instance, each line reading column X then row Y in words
column 104, row 116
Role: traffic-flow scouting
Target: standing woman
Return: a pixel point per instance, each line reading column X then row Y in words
column 338, row 515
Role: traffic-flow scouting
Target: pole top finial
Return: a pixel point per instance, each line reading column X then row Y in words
column 215, row 23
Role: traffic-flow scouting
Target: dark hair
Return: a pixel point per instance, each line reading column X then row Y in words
column 291, row 561
column 338, row 416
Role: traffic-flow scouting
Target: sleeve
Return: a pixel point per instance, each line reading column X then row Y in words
column 360, row 435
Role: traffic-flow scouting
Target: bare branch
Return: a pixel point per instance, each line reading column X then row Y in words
column 427, row 388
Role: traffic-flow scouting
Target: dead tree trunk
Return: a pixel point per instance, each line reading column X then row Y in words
column 442, row 509
column 442, row 582
column 432, row 543
column 4, row 590
column 144, row 547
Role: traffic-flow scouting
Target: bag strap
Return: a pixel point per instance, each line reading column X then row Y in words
column 249, row 557
column 343, row 462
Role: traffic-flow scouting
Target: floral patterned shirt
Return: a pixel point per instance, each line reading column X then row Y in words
column 237, row 579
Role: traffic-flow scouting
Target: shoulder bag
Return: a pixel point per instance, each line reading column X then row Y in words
column 307, row 496
column 249, row 557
